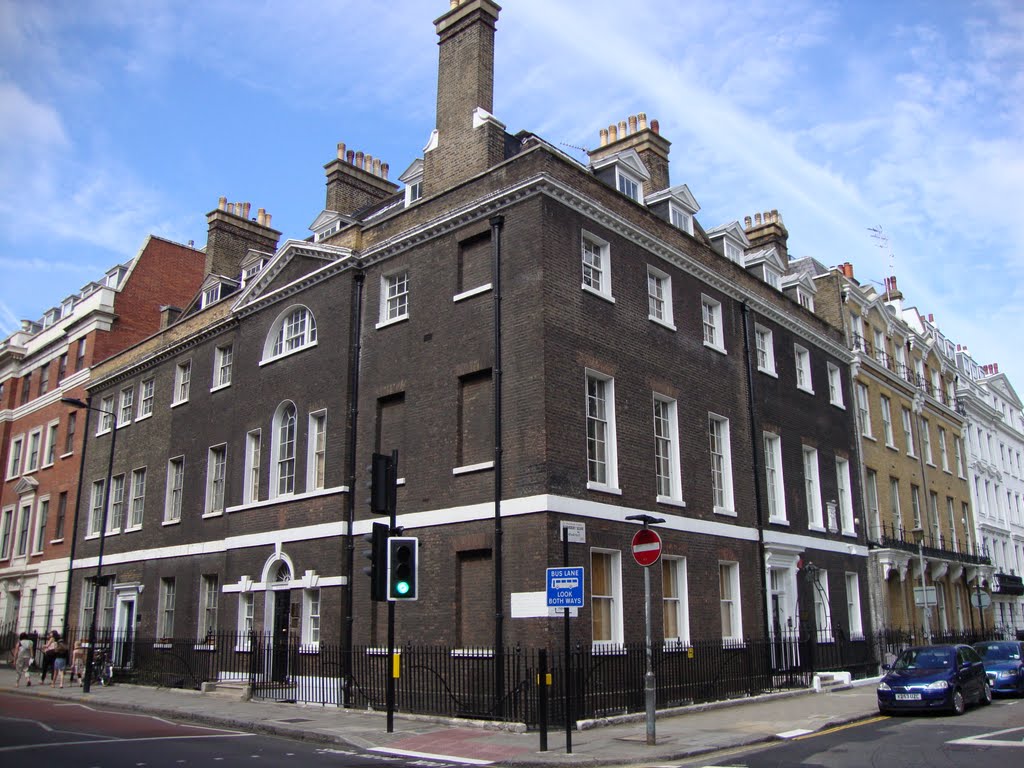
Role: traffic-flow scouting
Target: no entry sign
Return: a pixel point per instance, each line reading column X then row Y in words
column 646, row 547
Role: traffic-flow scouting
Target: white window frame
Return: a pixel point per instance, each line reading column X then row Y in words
column 629, row 184
column 147, row 393
column 812, row 489
column 887, row 426
column 107, row 418
column 722, row 497
column 711, row 323
column 863, row 409
column 908, row 430
column 42, row 519
column 223, row 360
column 596, row 265
column 126, row 407
column 835, row 386
column 168, row 588
column 958, row 456
column 668, row 474
column 774, row 482
column 246, row 618
column 926, row 441
column 282, row 462
column 844, row 489
column 602, row 454
column 95, row 518
column 251, row 481
column 394, row 298
column 733, row 252
column 182, row 382
column 802, row 361
column 764, row 343
column 312, row 607
column 659, row 297
column 14, row 456
column 209, row 597
column 729, row 601
column 673, row 570
column 34, row 450
column 23, row 531
column 116, row 511
column 614, row 558
column 680, row 218
column 173, row 501
column 216, row 480
column 137, row 507
column 293, row 331
column 50, row 443
column 316, row 451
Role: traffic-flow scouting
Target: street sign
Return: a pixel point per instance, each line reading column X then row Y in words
column 646, row 547
column 565, row 587
column 981, row 599
column 924, row 596
column 574, row 533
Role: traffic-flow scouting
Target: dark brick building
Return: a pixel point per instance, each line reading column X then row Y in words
column 638, row 362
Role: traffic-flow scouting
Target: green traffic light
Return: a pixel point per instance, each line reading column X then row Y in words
column 402, row 587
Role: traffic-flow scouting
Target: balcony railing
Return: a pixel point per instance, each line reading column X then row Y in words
column 936, row 547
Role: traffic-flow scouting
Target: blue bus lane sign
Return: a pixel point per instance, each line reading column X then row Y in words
column 565, row 587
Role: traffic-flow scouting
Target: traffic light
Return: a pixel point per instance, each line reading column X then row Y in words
column 402, row 565
column 383, row 484
column 378, row 555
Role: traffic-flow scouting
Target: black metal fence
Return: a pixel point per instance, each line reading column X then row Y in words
column 605, row 681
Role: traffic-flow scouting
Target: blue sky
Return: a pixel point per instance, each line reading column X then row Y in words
column 121, row 118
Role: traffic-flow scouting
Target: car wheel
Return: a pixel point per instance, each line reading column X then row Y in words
column 986, row 694
column 959, row 704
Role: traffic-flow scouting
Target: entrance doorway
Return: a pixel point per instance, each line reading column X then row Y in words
column 124, row 631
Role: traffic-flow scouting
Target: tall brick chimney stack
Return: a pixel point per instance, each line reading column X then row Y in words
column 646, row 139
column 468, row 139
column 765, row 230
column 231, row 234
column 355, row 180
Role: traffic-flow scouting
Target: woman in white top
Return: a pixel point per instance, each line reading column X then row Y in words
column 22, row 655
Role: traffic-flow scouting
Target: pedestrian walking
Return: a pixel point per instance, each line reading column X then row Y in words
column 77, row 662
column 21, row 655
column 49, row 654
column 60, row 660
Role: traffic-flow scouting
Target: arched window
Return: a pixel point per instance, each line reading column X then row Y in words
column 283, row 450
column 294, row 329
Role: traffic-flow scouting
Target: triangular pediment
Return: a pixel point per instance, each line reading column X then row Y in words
column 413, row 173
column 732, row 230
column 629, row 159
column 294, row 261
column 770, row 257
column 26, row 485
column 679, row 194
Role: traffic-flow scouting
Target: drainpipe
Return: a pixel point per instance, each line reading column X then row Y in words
column 74, row 524
column 355, row 354
column 751, row 412
column 497, row 222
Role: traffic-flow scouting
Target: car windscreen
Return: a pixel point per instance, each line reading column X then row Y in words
column 924, row 659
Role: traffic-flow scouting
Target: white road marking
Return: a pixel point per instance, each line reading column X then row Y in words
column 794, row 733
column 23, row 747
column 430, row 756
column 988, row 740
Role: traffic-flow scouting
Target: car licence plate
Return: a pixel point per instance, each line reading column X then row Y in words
column 908, row 697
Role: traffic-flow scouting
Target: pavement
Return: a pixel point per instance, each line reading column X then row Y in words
column 680, row 734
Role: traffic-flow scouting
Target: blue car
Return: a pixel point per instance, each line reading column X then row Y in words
column 1004, row 665
column 930, row 677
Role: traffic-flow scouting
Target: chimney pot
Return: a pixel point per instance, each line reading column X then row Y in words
column 268, row 220
column 260, row 216
column 746, row 222
column 757, row 219
column 632, row 124
column 350, row 157
column 642, row 120
column 604, row 137
column 359, row 158
column 384, row 168
column 248, row 205
column 222, row 203
column 622, row 129
column 341, row 150
column 613, row 136
column 376, row 166
column 655, row 127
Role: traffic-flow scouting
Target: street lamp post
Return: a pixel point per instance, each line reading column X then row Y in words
column 90, row 652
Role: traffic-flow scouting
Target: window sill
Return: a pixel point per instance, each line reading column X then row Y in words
column 715, row 348
column 840, row 406
column 600, row 294
column 872, row 438
column 133, row 529
column 219, row 387
column 143, row 417
column 602, row 488
column 309, row 649
column 171, row 522
column 204, row 647
column 103, row 432
column 123, row 424
column 731, row 643
column 671, row 501
column 676, row 645
column 57, row 541
column 768, row 372
column 471, row 293
column 155, row 645
column 663, row 323
column 778, row 521
column 891, row 446
column 217, row 513
column 91, row 536
column 289, row 353
column 67, row 455
column 807, row 390
column 816, row 527
column 726, row 511
column 469, row 468
column 176, row 403
column 243, row 649
column 608, row 648
column 393, row 321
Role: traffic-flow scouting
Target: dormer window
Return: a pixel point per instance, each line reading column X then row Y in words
column 67, row 307
column 114, row 277
column 805, row 298
column 250, row 271
column 733, row 252
column 413, row 180
column 628, row 184
column 414, row 191
column 775, row 281
column 680, row 218
column 329, row 231
column 210, row 295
